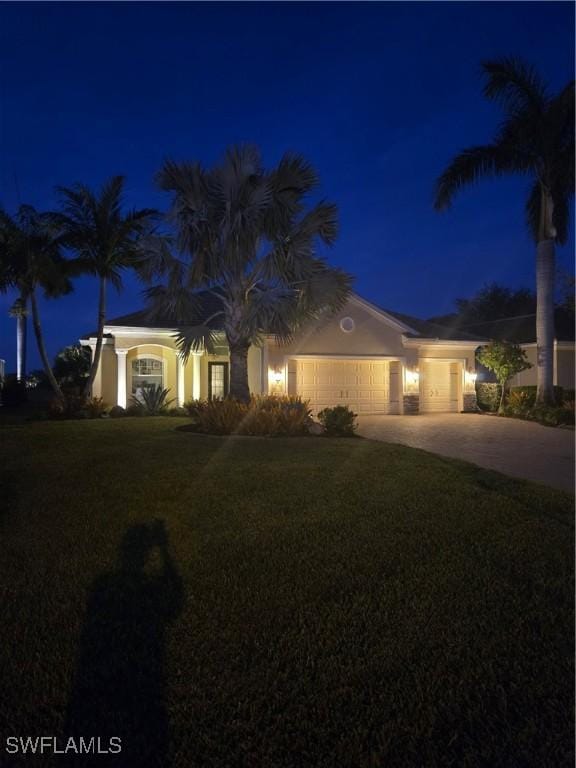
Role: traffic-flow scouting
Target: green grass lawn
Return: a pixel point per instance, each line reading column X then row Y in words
column 312, row 602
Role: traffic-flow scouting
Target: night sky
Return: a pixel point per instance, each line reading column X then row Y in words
column 377, row 96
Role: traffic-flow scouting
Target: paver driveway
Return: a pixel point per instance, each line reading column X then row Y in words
column 514, row 447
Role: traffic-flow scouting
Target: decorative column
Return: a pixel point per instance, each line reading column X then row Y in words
column 196, row 357
column 180, row 380
column 121, row 377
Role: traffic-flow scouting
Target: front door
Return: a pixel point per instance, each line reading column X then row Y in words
column 217, row 381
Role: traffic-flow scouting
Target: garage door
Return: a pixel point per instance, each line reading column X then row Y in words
column 366, row 386
column 439, row 387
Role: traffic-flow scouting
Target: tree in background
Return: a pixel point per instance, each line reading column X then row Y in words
column 492, row 302
column 505, row 360
column 72, row 366
column 495, row 302
column 30, row 261
column 19, row 311
column 247, row 236
column 105, row 240
column 536, row 140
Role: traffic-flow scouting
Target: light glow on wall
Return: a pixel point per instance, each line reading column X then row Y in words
column 411, row 380
column 276, row 378
column 470, row 379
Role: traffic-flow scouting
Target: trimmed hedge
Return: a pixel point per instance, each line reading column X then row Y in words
column 488, row 396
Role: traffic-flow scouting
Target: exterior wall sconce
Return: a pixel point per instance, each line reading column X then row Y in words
column 470, row 380
column 276, row 378
column 411, row 380
column 412, row 377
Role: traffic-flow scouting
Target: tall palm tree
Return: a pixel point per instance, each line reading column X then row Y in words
column 106, row 241
column 19, row 311
column 31, row 260
column 246, row 236
column 535, row 139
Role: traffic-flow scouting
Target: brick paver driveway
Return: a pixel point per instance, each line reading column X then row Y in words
column 514, row 447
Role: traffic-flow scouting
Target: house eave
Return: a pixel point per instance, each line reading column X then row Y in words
column 430, row 342
column 380, row 314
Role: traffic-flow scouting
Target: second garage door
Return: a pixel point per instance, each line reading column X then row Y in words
column 366, row 386
column 439, row 386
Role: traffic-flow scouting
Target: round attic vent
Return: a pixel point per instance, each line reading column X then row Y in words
column 347, row 324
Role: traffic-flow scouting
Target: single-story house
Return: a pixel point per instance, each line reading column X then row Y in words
column 374, row 360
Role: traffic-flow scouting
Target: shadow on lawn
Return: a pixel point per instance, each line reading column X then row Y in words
column 120, row 678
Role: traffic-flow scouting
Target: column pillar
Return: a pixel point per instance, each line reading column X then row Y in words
column 196, row 357
column 121, row 377
column 180, row 388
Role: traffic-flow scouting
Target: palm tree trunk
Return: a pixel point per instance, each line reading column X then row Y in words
column 239, row 388
column 41, row 346
column 98, row 348
column 545, row 272
column 21, row 342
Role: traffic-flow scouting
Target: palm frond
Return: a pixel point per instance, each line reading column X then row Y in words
column 514, row 84
column 195, row 338
column 470, row 166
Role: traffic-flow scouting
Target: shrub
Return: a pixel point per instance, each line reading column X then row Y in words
column 153, row 401
column 519, row 400
column 71, row 407
column 567, row 412
column 488, row 396
column 263, row 415
column 94, row 408
column 216, row 417
column 177, row 412
column 276, row 415
column 13, row 392
column 339, row 421
column 116, row 412
column 135, row 409
column 549, row 415
column 530, row 393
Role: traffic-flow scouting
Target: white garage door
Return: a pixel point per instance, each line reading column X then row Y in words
column 439, row 386
column 366, row 386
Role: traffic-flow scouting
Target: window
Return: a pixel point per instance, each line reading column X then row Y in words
column 147, row 373
column 217, row 380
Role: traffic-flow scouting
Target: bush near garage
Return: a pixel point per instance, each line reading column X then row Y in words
column 339, row 421
column 488, row 396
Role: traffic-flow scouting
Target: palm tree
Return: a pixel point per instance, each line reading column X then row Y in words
column 106, row 241
column 246, row 237
column 536, row 139
column 31, row 260
column 19, row 311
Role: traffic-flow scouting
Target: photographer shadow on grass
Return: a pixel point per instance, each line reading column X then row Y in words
column 119, row 689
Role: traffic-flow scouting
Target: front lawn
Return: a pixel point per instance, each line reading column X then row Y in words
column 310, row 602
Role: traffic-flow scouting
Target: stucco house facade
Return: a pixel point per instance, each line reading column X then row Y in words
column 371, row 359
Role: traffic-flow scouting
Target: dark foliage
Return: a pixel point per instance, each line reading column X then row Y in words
column 339, row 421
